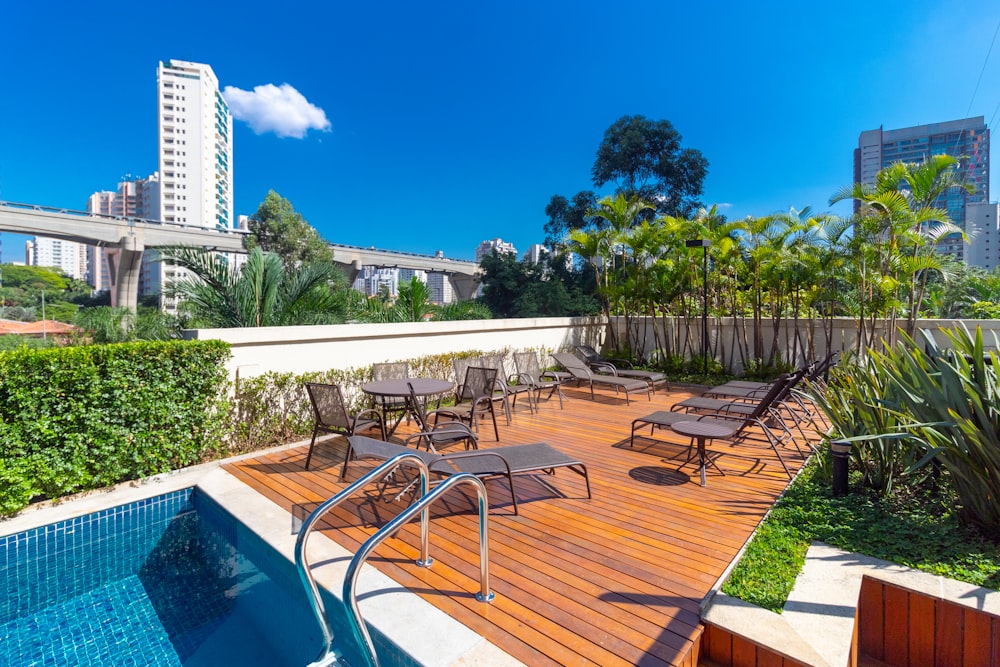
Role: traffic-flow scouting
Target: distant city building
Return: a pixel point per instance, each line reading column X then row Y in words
column 982, row 225
column 968, row 139
column 195, row 160
column 373, row 281
column 487, row 247
column 134, row 198
column 536, row 253
column 440, row 287
column 68, row 256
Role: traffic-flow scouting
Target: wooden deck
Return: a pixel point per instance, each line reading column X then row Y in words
column 614, row 580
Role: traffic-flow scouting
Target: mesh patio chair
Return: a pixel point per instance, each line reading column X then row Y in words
column 474, row 397
column 583, row 374
column 735, row 426
column 530, row 372
column 435, row 433
column 332, row 415
column 784, row 404
column 397, row 370
column 509, row 387
column 484, row 463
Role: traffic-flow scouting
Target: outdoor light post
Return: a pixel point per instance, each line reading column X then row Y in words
column 704, row 244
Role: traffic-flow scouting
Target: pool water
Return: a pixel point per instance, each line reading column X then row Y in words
column 172, row 580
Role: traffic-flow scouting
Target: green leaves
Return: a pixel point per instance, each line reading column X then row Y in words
column 85, row 417
column 261, row 292
column 918, row 404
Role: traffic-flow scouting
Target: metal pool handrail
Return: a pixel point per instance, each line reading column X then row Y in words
column 302, row 563
column 350, row 579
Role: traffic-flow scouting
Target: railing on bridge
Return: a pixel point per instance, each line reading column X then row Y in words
column 124, row 218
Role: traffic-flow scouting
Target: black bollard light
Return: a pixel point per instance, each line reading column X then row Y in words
column 841, row 452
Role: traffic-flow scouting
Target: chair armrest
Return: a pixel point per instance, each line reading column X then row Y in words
column 604, row 366
column 375, row 416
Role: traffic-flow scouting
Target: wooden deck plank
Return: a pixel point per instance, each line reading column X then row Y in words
column 614, row 580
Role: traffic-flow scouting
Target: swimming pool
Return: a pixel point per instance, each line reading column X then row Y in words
column 170, row 580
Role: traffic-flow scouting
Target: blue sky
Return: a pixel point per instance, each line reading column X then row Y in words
column 448, row 123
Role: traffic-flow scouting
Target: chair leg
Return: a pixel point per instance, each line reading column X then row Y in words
column 493, row 416
column 347, row 459
column 311, row 445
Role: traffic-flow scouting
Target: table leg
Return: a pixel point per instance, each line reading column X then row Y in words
column 701, row 459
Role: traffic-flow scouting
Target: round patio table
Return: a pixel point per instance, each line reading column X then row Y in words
column 701, row 431
column 400, row 388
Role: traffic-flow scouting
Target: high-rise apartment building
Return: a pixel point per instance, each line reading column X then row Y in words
column 440, row 288
column 134, row 198
column 982, row 225
column 967, row 139
column 535, row 253
column 195, row 159
column 68, row 256
column 486, row 247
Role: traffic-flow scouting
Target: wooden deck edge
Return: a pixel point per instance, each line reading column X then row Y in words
column 760, row 627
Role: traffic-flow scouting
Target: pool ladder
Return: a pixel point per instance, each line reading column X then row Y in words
column 329, row 656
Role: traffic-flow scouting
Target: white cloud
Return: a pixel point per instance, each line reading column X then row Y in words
column 279, row 109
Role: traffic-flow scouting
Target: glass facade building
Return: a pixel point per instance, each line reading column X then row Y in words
column 967, row 139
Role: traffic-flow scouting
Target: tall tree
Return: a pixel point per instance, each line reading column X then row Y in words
column 277, row 227
column 644, row 158
column 566, row 215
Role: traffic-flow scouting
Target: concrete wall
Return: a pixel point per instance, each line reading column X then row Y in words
column 317, row 348
column 725, row 336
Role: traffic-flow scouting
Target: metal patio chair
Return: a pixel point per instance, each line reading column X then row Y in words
column 333, row 415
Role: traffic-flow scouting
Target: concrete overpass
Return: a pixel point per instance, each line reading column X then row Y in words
column 126, row 238
column 462, row 274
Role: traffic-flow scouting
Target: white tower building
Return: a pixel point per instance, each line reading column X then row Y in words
column 195, row 158
column 982, row 224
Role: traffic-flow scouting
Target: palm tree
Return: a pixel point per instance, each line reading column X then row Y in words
column 901, row 227
column 259, row 293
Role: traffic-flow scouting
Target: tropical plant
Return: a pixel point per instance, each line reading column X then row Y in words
column 953, row 399
column 105, row 324
column 863, row 408
column 260, row 292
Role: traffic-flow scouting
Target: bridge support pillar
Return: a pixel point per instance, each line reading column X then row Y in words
column 124, row 267
column 465, row 286
column 353, row 270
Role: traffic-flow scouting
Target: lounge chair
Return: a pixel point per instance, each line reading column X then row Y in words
column 581, row 374
column 620, row 368
column 332, row 415
column 774, row 429
column 782, row 403
column 485, row 463
column 529, row 372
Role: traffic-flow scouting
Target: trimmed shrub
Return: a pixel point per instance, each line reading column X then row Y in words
column 79, row 418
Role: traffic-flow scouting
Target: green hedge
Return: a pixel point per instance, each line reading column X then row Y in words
column 80, row 418
column 273, row 408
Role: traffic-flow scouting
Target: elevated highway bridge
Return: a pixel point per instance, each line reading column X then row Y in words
column 126, row 238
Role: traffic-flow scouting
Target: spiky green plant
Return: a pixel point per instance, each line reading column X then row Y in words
column 953, row 399
column 862, row 408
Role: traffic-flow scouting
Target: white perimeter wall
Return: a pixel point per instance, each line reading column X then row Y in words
column 319, row 348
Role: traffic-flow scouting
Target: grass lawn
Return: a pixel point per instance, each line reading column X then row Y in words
column 915, row 527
